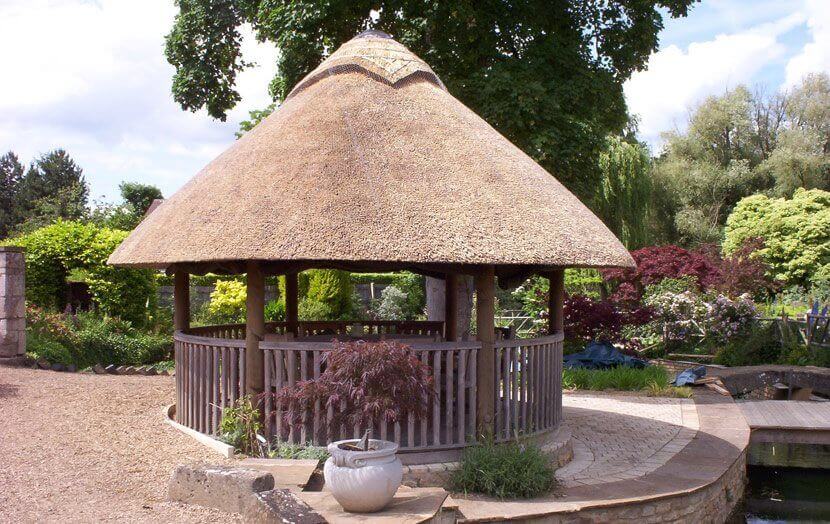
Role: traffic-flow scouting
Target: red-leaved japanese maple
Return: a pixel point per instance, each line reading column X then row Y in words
column 365, row 383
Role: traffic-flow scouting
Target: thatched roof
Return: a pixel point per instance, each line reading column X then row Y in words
column 371, row 163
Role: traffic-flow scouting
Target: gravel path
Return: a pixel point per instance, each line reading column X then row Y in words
column 90, row 448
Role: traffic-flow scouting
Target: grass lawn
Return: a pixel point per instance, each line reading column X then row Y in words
column 653, row 380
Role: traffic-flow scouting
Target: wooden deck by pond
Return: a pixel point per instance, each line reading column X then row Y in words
column 788, row 421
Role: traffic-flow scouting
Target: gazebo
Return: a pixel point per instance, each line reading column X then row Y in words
column 371, row 165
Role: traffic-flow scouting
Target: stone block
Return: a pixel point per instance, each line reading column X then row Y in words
column 280, row 505
column 222, row 487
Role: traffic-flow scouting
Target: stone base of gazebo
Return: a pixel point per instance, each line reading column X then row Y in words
column 211, row 374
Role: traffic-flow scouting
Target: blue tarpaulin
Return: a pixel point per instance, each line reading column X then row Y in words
column 601, row 355
column 688, row 376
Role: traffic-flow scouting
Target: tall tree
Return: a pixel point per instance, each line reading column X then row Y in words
column 622, row 201
column 546, row 74
column 53, row 187
column 139, row 196
column 11, row 173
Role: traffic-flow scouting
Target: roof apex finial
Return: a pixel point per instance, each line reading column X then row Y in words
column 374, row 33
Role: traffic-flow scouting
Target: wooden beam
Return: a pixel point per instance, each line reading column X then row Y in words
column 485, row 283
column 255, row 329
column 291, row 301
column 181, row 301
column 556, row 300
column 451, row 308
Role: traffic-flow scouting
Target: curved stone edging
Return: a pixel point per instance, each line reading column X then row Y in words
column 226, row 450
column 704, row 480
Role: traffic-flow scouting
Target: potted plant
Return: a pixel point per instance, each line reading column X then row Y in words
column 366, row 383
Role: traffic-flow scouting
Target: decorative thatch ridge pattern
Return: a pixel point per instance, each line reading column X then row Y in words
column 371, row 163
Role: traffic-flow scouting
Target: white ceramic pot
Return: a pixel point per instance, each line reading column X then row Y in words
column 363, row 481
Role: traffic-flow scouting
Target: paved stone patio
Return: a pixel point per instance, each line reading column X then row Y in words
column 603, row 425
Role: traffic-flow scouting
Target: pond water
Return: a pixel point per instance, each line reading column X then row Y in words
column 777, row 494
column 781, row 493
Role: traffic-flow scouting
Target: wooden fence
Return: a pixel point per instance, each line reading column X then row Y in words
column 449, row 423
column 528, row 386
column 210, row 375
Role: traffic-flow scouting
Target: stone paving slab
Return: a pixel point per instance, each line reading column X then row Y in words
column 410, row 506
column 291, row 474
column 717, row 438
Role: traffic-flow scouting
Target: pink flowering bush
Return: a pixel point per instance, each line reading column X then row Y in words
column 727, row 318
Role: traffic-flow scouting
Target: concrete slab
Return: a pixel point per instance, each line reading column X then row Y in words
column 288, row 473
column 410, row 506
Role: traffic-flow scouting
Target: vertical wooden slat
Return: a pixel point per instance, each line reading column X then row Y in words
column 506, row 393
column 497, row 352
column 436, row 403
column 214, row 372
column 531, row 389
column 291, row 371
column 234, row 375
column 423, row 422
column 473, row 393
column 460, row 393
column 523, row 389
column 268, row 361
column 514, row 394
column 449, row 397
column 226, row 379
column 304, row 376
column 315, row 437
column 243, row 371
column 279, row 357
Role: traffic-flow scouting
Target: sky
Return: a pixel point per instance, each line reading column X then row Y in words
column 90, row 76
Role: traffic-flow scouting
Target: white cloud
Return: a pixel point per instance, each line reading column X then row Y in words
column 815, row 56
column 91, row 77
column 677, row 79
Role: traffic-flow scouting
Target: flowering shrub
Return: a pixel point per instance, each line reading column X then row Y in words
column 726, row 318
column 378, row 381
column 682, row 315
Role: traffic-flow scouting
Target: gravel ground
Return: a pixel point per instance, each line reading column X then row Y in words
column 90, row 448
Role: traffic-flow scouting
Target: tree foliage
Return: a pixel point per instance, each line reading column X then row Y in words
column 52, row 252
column 11, row 175
column 547, row 75
column 622, row 201
column 795, row 232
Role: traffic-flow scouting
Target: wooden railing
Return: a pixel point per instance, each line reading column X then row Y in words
column 449, row 423
column 326, row 327
column 528, row 386
column 210, row 375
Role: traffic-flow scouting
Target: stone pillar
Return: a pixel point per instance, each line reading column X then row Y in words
column 255, row 330
column 12, row 302
column 556, row 300
column 485, row 283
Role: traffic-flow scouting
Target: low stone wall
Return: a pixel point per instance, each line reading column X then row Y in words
column 713, row 503
column 12, row 303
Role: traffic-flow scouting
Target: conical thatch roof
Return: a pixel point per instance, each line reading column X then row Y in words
column 370, row 162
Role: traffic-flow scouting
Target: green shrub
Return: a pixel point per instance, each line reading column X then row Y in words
column 760, row 346
column 620, row 378
column 410, row 283
column 285, row 450
column 52, row 252
column 275, row 311
column 509, row 470
column 240, row 426
column 227, row 302
column 392, row 304
column 86, row 339
column 333, row 289
column 795, row 231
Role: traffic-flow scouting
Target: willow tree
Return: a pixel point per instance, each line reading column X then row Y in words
column 622, row 200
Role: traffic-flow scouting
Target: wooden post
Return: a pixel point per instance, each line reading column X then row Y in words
column 556, row 299
column 485, row 283
column 291, row 301
column 255, row 330
column 181, row 301
column 451, row 308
